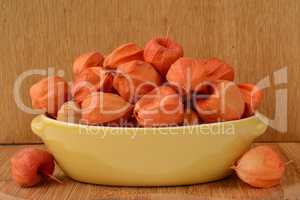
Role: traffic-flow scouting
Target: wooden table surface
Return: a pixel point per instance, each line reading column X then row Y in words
column 229, row 188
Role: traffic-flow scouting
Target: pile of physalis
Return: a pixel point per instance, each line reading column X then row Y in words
column 151, row 87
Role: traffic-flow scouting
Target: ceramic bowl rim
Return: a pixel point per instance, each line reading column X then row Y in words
column 69, row 125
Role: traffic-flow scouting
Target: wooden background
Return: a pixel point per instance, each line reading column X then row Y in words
column 257, row 37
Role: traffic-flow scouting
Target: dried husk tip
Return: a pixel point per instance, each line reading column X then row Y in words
column 160, row 107
column 100, row 108
column 134, row 79
column 86, row 60
column 224, row 104
column 91, row 80
column 187, row 74
column 124, row 53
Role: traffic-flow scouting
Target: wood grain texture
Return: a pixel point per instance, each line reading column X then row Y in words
column 256, row 37
column 229, row 188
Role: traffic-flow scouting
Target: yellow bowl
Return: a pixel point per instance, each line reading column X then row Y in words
column 147, row 156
